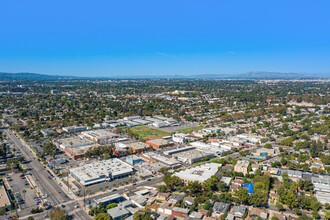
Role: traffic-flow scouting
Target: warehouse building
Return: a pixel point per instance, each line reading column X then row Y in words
column 192, row 156
column 74, row 129
column 199, row 173
column 159, row 143
column 79, row 152
column 178, row 150
column 100, row 136
column 168, row 162
column 106, row 170
column 138, row 147
column 74, row 142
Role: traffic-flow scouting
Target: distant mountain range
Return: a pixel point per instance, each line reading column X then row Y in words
column 248, row 75
column 32, row 76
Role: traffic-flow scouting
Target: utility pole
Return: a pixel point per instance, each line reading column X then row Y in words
column 84, row 198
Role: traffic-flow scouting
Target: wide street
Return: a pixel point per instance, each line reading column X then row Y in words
column 56, row 196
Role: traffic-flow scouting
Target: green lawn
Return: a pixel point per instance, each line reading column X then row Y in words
column 148, row 133
column 188, row 130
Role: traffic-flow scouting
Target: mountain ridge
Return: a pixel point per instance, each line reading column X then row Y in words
column 248, row 75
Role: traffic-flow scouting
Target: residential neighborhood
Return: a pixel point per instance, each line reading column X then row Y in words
column 224, row 150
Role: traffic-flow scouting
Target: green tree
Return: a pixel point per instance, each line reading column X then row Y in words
column 142, row 215
column 106, row 156
column 103, row 216
column 58, row 214
column 194, row 187
column 268, row 146
column 111, row 205
column 161, row 188
column 207, row 205
column 243, row 195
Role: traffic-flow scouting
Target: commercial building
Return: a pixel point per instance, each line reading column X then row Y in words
column 180, row 138
column 242, row 166
column 74, row 128
column 100, row 136
column 192, row 156
column 159, row 143
column 208, row 148
column 74, row 142
column 109, row 199
column 79, row 152
column 133, row 159
column 4, row 198
column 178, row 150
column 138, row 147
column 171, row 163
column 121, row 149
column 251, row 139
column 199, row 173
column 101, row 171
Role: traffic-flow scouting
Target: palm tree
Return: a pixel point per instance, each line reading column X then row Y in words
column 24, row 191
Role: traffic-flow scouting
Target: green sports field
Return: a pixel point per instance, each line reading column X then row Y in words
column 148, row 133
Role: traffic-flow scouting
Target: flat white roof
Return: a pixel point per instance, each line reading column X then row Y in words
column 199, row 173
column 102, row 169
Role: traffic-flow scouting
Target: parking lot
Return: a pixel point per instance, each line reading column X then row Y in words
column 17, row 185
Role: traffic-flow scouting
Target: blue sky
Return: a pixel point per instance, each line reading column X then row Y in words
column 185, row 37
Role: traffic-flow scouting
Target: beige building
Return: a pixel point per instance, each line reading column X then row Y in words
column 100, row 136
column 242, row 166
column 4, row 198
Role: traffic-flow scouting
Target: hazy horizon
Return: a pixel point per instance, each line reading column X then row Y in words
column 106, row 39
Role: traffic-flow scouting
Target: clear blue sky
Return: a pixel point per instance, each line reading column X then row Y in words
column 164, row 37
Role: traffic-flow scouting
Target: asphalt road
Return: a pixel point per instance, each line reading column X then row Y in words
column 42, row 178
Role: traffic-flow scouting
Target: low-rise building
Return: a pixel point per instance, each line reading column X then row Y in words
column 159, row 143
column 133, row 159
column 180, row 138
column 100, row 171
column 242, row 166
column 138, row 147
column 266, row 152
column 220, row 208
column 239, row 211
column 258, row 213
column 322, row 188
column 4, row 198
column 118, row 212
column 180, row 212
column 199, row 173
column 73, row 142
column 100, row 136
column 192, row 156
column 74, row 129
column 79, row 152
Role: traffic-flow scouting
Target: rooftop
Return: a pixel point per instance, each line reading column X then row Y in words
column 75, row 142
column 4, row 200
column 199, row 173
column 99, row 133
